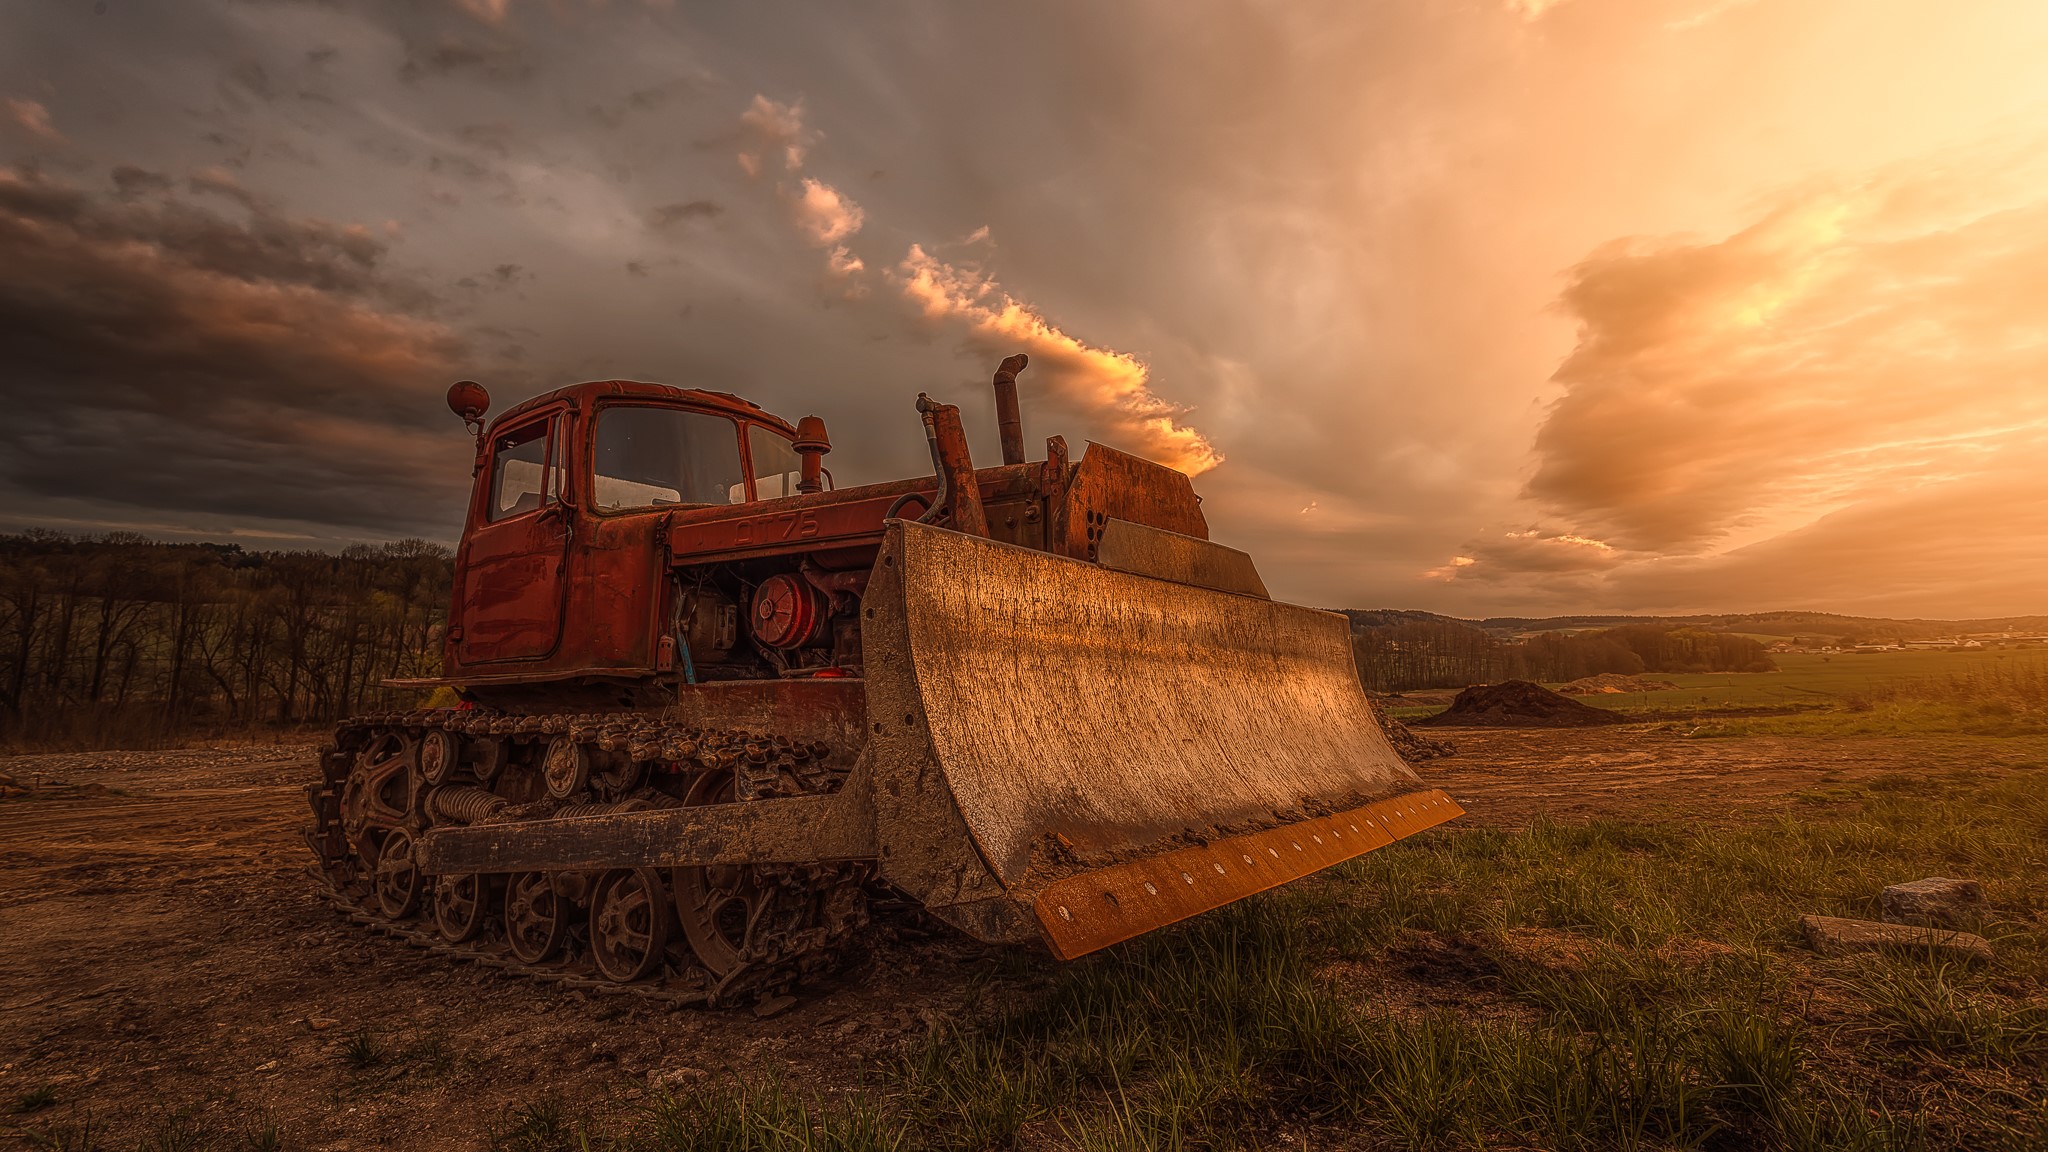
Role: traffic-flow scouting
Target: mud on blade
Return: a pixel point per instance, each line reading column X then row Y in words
column 1066, row 751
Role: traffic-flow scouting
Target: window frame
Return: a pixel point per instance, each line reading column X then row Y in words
column 552, row 443
column 747, row 459
column 587, row 474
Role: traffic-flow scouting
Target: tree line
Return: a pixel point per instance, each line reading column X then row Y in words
column 1399, row 655
column 119, row 639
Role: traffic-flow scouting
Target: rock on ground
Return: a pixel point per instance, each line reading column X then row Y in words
column 1834, row 935
column 1518, row 704
column 1936, row 902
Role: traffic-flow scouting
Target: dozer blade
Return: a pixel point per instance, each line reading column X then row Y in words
column 1079, row 754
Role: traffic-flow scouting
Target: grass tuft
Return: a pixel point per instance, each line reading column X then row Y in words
column 80, row 1134
column 543, row 1126
column 764, row 1118
column 1942, row 1010
column 364, row 1049
column 183, row 1130
column 36, row 1099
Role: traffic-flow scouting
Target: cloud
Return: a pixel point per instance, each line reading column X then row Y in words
column 1515, row 555
column 1713, row 11
column 1968, row 545
column 842, row 264
column 33, row 118
column 1114, row 387
column 491, row 12
column 1744, row 407
column 772, row 130
column 825, row 215
column 1111, row 388
column 1852, row 340
column 132, row 181
column 165, row 357
column 502, row 62
column 669, row 215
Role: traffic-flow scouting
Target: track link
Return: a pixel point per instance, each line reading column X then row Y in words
column 389, row 777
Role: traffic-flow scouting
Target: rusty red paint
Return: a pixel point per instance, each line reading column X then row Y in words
column 565, row 591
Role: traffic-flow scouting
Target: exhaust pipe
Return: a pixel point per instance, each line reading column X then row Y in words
column 1008, row 422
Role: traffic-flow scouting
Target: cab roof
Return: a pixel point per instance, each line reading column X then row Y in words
column 584, row 396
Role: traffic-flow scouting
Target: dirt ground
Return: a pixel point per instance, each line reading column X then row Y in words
column 166, row 948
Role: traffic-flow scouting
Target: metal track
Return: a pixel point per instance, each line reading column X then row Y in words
column 635, row 760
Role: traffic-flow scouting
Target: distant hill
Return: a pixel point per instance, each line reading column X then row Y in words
column 1362, row 618
column 1762, row 623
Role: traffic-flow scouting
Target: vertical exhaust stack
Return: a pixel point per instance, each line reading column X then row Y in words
column 1008, row 421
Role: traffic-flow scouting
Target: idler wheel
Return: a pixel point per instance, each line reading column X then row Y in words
column 536, row 917
column 461, row 906
column 629, row 924
column 397, row 878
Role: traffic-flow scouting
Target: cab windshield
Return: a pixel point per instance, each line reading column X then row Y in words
column 648, row 457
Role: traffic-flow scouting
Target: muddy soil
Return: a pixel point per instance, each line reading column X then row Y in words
column 166, row 948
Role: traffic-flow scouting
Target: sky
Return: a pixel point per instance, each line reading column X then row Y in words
column 1478, row 306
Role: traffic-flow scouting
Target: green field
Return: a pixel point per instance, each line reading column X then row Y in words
column 1824, row 680
column 1982, row 692
column 1612, row 985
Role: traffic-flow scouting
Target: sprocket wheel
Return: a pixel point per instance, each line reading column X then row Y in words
column 380, row 791
column 629, row 924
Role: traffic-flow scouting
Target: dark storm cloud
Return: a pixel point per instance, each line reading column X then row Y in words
column 651, row 98
column 132, row 181
column 263, row 249
column 502, row 277
column 499, row 61
column 683, row 212
column 1330, row 232
column 164, row 356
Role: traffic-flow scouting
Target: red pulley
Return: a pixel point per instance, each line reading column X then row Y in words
column 788, row 612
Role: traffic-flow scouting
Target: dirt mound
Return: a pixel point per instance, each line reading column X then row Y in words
column 1518, row 704
column 1413, row 746
column 1612, row 683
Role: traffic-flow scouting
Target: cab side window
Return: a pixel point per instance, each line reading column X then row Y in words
column 521, row 477
column 776, row 467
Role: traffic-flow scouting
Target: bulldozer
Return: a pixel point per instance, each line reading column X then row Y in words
column 707, row 711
